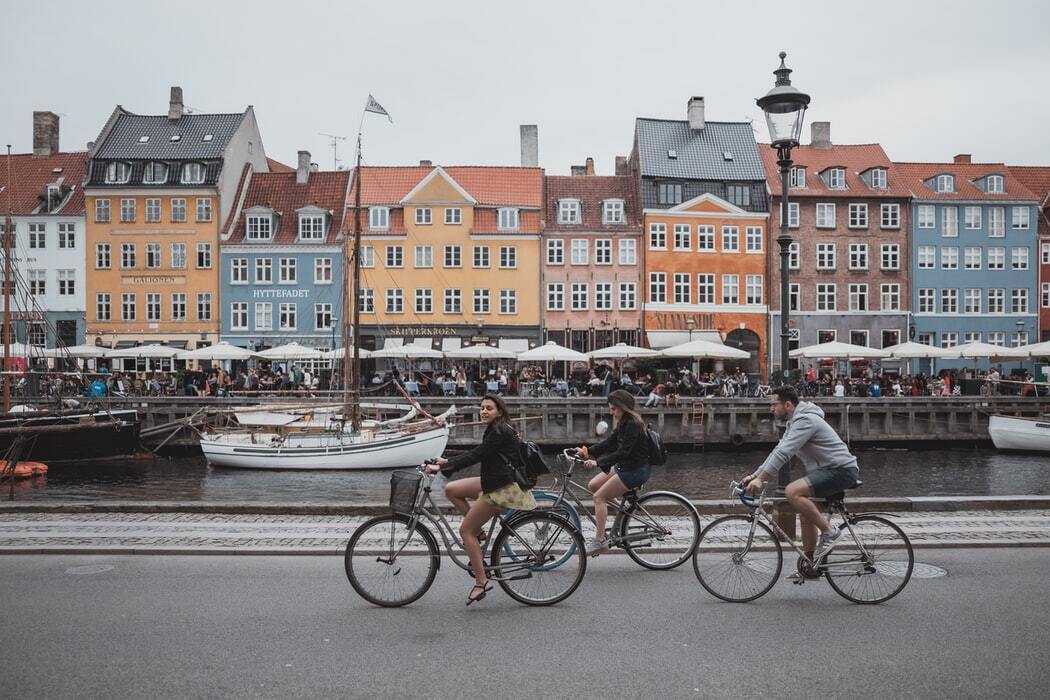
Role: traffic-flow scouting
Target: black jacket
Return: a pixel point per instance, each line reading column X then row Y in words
column 627, row 447
column 499, row 444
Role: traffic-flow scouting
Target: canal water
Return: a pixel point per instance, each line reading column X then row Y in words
column 950, row 472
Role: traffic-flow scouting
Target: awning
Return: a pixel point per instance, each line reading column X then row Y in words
column 393, row 342
column 448, row 344
column 658, row 340
column 514, row 344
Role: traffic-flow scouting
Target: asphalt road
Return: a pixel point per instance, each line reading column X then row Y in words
column 234, row 626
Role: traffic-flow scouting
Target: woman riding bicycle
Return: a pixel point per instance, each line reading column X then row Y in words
column 624, row 459
column 495, row 490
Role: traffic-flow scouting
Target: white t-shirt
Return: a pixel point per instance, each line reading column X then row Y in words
column 840, row 391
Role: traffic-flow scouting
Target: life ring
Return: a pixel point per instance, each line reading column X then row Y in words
column 23, row 469
column 737, row 440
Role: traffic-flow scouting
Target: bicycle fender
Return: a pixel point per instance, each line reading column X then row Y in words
column 877, row 512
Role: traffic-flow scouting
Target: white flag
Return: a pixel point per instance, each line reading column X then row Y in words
column 374, row 106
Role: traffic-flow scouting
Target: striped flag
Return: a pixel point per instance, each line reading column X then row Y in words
column 374, row 106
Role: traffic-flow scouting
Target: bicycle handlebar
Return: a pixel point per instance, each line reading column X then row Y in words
column 736, row 489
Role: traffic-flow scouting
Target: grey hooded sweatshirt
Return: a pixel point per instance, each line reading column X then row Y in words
column 809, row 437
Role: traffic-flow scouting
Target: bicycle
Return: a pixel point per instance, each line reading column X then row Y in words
column 658, row 529
column 738, row 558
column 391, row 560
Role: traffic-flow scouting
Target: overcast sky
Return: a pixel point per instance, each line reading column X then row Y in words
column 925, row 79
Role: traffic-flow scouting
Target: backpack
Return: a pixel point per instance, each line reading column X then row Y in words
column 530, row 456
column 657, row 449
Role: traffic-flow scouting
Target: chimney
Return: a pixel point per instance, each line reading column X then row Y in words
column 695, row 112
column 302, row 173
column 175, row 103
column 530, row 146
column 621, row 166
column 577, row 170
column 820, row 134
column 45, row 133
column 959, row 158
column 427, row 163
column 590, row 166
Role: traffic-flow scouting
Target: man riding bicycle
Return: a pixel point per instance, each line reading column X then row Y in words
column 830, row 468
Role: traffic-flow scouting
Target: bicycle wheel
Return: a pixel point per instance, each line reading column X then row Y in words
column 660, row 530
column 535, row 540
column 545, row 501
column 387, row 564
column 873, row 565
column 733, row 565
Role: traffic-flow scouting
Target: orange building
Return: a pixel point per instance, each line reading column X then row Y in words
column 705, row 267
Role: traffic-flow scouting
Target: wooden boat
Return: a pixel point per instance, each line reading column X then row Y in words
column 71, row 436
column 1014, row 433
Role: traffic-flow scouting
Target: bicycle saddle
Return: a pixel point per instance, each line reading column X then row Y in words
column 842, row 494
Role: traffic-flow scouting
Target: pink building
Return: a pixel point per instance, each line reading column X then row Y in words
column 592, row 261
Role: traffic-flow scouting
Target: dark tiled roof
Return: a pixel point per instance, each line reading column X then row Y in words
column 701, row 155
column 591, row 190
column 31, row 176
column 280, row 192
column 123, row 140
column 855, row 159
column 916, row 175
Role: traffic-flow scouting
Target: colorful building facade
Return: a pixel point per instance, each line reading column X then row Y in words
column 1037, row 180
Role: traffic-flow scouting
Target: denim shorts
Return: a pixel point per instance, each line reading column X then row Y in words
column 634, row 478
column 825, row 482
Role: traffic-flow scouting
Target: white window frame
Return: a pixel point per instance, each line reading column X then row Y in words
column 926, row 216
column 193, row 173
column 827, row 296
column 825, row 215
column 424, row 216
column 424, row 300
column 1020, row 218
column 579, row 251
column 263, row 270
column 753, row 240
column 287, row 271
column 628, row 251
column 950, row 257
column 950, row 221
column 878, row 178
column 972, row 218
column 996, row 222
column 569, row 211
column 508, row 257
column 452, row 256
column 996, row 257
column 705, row 288
column 890, row 216
column 927, row 297
column 731, row 288
column 258, row 228
column 508, row 219
column 837, row 179
column 730, row 239
column 423, row 256
column 453, row 216
column 973, row 257
column 890, row 256
column 657, row 236
column 481, row 257
column 508, row 302
column 890, row 296
column 238, row 316
column 263, row 316
column 613, row 212
column 1019, row 258
column 311, row 228
column 945, row 183
column 394, row 257
column 949, row 300
column 555, row 296
column 826, row 256
column 323, row 270
column 579, row 296
column 628, row 296
column 997, row 301
column 705, row 238
column 287, row 316
column 858, row 215
column 858, row 297
column 753, row 290
column 555, row 251
column 683, row 237
column 858, row 256
column 657, row 287
column 603, row 251
column 682, row 287
column 379, row 218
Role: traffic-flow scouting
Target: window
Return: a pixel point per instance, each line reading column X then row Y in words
column 481, row 301
column 858, row 256
column 1020, row 338
column 67, row 286
column 669, row 193
column 927, row 214
column 945, row 183
column 366, row 301
column 657, row 287
column 972, row 301
column 193, row 173
column 705, row 238
column 858, row 297
column 859, row 337
column 996, row 301
column 794, row 256
column 454, row 216
column 949, row 339
column 949, row 258
column 259, row 228
column 603, row 296
column 155, row 173
column 239, row 316
column 825, row 216
column 288, row 271
column 204, row 211
column 612, row 211
column 153, row 260
column 753, row 238
column 481, row 256
column 949, row 301
column 1044, row 250
column 658, row 236
column 311, row 228
column 323, row 317
column 263, row 316
column 925, row 338
column 424, row 216
column 927, row 257
column 891, row 256
column 395, row 301
column 127, row 211
column 794, row 293
column 1019, row 258
column 890, row 215
column 117, row 173
column 994, row 184
column 827, row 336
column 368, row 256
column 826, row 297
column 263, row 271
column 973, row 217
column 628, row 251
column 996, row 222
column 203, row 255
column 1019, row 301
column 153, row 307
column 453, row 256
column 730, row 289
column 1044, row 296
column 555, row 296
column 890, row 297
column 1020, row 217
column 178, row 211
column 798, row 178
column 682, row 288
column 950, row 221
column 37, row 236
column 555, row 251
column 972, row 337
column 127, row 255
column 152, row 211
column 825, row 256
column 379, row 218
column 628, row 296
column 858, row 215
column 739, row 195
column 996, row 338
column 754, row 289
column 973, row 255
column 508, row 257
column 568, row 211
column 395, row 256
column 926, row 300
column 204, row 306
column 683, row 237
column 453, row 301
column 127, row 307
column 997, row 258
column 793, row 214
column 424, row 301
column 322, row 270
column 508, row 301
column 101, row 211
column 103, row 307
column 579, row 251
column 508, row 219
column 580, row 296
column 878, row 179
column 837, row 179
column 37, row 282
column 424, row 256
column 178, row 308
column 730, row 239
column 603, row 251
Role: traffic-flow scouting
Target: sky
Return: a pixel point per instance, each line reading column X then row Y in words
column 925, row 79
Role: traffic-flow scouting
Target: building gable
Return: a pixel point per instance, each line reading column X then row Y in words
column 438, row 187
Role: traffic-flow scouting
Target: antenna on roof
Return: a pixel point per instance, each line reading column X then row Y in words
column 333, row 141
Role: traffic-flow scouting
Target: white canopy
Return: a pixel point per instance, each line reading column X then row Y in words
column 219, row 351
column 836, row 350
column 622, row 351
column 337, row 353
column 918, row 350
column 481, row 352
column 408, row 351
column 705, row 349
column 76, row 351
column 23, row 350
column 291, row 351
column 981, row 351
column 551, row 352
column 1036, row 349
column 146, row 351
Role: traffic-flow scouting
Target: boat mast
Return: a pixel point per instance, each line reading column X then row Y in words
column 9, row 229
column 352, row 293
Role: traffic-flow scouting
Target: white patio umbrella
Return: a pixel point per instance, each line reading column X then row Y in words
column 839, row 351
column 551, row 352
column 982, row 351
column 409, row 351
column 481, row 352
column 622, row 351
column 705, row 349
column 23, row 350
column 291, row 351
column 76, row 351
column 1036, row 349
column 910, row 350
column 152, row 351
column 219, row 351
column 337, row 353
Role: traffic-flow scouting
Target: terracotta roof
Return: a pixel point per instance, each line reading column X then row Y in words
column 854, row 158
column 915, row 175
column 31, row 176
column 591, row 190
column 280, row 192
column 490, row 186
column 278, row 167
column 1036, row 179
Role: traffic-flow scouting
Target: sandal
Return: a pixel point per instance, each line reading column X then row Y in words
column 482, row 537
column 471, row 598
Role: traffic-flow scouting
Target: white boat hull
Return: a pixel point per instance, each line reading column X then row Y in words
column 1009, row 433
column 258, row 450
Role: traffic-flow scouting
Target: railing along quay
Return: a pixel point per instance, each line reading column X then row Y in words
column 691, row 423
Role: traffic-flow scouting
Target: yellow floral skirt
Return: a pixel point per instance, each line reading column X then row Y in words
column 510, row 496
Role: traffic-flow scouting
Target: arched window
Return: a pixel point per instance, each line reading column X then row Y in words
column 193, row 173
column 117, row 173
column 155, row 173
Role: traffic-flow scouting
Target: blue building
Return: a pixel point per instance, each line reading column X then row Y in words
column 282, row 259
column 974, row 256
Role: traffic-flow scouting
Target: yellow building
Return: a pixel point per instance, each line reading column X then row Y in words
column 451, row 254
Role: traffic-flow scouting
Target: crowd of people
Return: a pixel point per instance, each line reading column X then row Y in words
column 951, row 382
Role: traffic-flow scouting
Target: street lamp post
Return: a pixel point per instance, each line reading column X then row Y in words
column 331, row 375
column 1020, row 329
column 785, row 108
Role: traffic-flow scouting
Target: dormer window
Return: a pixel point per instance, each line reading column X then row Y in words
column 568, row 211
column 837, row 179
column 155, row 173
column 379, row 218
column 259, row 227
column 193, row 173
column 117, row 173
column 878, row 179
column 798, row 178
column 945, row 183
column 612, row 211
column 311, row 227
column 994, row 184
column 508, row 219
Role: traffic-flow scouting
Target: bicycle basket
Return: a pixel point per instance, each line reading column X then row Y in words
column 404, row 489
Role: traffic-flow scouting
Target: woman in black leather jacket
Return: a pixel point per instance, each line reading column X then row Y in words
column 495, row 490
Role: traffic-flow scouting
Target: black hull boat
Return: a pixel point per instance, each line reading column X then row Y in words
column 71, row 437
